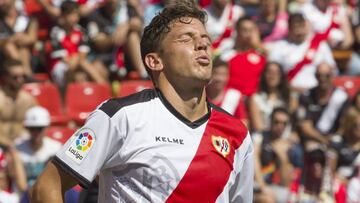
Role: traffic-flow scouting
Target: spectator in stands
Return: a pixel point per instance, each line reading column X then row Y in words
column 320, row 108
column 347, row 146
column 222, row 17
column 52, row 7
column 300, row 53
column 228, row 98
column 353, row 189
column 12, row 175
column 356, row 101
column 71, row 49
column 273, row 92
column 327, row 15
column 18, row 33
column 272, row 20
column 273, row 165
column 354, row 63
column 251, row 7
column 246, row 59
column 154, row 7
column 114, row 31
column 13, row 101
column 37, row 149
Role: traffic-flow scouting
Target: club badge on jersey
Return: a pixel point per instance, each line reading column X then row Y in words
column 221, row 145
column 81, row 145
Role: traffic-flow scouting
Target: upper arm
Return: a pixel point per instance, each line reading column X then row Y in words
column 51, row 185
column 242, row 190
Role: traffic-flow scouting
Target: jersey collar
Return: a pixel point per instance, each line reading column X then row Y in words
column 179, row 116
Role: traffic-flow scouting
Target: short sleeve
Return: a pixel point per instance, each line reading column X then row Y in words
column 89, row 149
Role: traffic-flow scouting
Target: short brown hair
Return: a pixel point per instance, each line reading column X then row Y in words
column 160, row 24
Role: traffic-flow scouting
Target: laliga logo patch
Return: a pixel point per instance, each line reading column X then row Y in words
column 81, row 145
column 221, row 145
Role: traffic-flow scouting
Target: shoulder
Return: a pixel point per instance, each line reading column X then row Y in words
column 228, row 120
column 28, row 98
column 112, row 106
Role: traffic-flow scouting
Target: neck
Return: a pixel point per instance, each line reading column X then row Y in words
column 36, row 144
column 189, row 102
column 239, row 46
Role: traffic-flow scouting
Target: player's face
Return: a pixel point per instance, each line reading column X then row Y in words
column 185, row 53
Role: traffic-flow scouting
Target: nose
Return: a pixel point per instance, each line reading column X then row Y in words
column 202, row 43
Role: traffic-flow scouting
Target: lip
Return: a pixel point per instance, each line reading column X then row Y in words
column 203, row 60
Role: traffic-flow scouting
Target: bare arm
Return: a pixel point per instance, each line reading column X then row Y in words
column 50, row 9
column 258, row 176
column 29, row 37
column 307, row 127
column 255, row 116
column 17, row 170
column 349, row 39
column 91, row 70
column 281, row 148
column 51, row 185
column 282, row 6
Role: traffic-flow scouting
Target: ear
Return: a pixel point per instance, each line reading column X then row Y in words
column 154, row 62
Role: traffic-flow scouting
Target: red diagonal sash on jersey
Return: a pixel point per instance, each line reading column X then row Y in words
column 210, row 170
column 314, row 45
column 227, row 32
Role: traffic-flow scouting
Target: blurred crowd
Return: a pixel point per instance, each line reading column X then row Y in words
column 276, row 67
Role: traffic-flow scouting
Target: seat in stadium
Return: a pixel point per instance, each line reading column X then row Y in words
column 48, row 96
column 60, row 133
column 82, row 98
column 350, row 83
column 128, row 87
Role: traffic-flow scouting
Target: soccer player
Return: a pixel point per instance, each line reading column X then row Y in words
column 166, row 144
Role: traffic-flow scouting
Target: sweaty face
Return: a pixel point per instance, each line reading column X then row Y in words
column 186, row 52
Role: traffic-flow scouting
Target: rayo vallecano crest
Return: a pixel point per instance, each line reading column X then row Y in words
column 221, row 145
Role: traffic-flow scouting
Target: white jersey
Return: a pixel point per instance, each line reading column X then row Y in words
column 289, row 55
column 321, row 21
column 34, row 162
column 216, row 26
column 145, row 151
